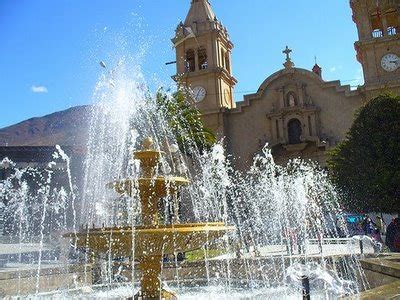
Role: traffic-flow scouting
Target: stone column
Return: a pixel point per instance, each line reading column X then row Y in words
column 300, row 93
column 384, row 25
column 281, row 93
column 196, row 60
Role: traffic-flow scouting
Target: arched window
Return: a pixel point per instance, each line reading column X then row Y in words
column 392, row 22
column 222, row 58
column 376, row 25
column 278, row 135
column 202, row 55
column 190, row 61
column 294, row 131
column 291, row 99
column 392, row 30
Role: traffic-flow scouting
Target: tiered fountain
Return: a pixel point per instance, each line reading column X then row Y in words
column 149, row 242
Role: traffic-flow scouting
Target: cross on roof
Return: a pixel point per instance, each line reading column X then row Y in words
column 288, row 64
column 287, row 51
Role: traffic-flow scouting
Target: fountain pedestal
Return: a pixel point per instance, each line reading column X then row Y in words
column 150, row 283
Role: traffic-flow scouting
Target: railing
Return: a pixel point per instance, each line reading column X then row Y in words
column 330, row 241
column 377, row 33
column 392, row 30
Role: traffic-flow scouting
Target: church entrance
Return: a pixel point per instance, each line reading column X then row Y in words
column 294, row 130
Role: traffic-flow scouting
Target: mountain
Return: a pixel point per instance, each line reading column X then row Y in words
column 67, row 128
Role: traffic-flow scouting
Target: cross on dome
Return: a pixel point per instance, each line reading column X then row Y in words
column 287, row 51
column 288, row 64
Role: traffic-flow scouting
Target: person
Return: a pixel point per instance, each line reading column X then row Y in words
column 320, row 241
column 239, row 250
column 359, row 229
column 289, row 238
column 376, row 235
column 180, row 256
column 393, row 235
column 301, row 241
column 368, row 226
column 380, row 224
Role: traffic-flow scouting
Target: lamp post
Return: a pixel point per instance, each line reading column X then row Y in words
column 305, row 284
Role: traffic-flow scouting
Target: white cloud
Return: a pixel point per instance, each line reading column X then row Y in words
column 38, row 89
column 334, row 69
column 359, row 79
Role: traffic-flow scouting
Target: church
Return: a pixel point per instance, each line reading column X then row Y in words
column 294, row 110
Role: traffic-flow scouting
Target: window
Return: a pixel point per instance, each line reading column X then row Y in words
column 202, row 55
column 294, row 131
column 227, row 62
column 377, row 33
column 278, row 135
column 309, row 126
column 391, row 30
column 291, row 99
column 222, row 58
column 376, row 25
column 392, row 22
column 190, row 61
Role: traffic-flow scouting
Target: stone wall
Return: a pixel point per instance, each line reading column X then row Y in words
column 24, row 282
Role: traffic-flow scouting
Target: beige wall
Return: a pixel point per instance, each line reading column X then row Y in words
column 331, row 108
column 23, row 282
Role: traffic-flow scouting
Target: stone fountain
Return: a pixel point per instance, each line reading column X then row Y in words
column 148, row 243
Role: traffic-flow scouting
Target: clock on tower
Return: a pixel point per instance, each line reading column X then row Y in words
column 378, row 47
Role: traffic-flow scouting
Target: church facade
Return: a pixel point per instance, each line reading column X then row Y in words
column 294, row 110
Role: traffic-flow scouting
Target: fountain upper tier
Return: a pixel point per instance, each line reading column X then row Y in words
column 150, row 187
column 160, row 186
column 149, row 182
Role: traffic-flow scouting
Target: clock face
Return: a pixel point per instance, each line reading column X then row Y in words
column 390, row 62
column 199, row 93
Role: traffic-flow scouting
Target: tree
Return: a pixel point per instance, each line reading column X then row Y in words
column 366, row 166
column 185, row 121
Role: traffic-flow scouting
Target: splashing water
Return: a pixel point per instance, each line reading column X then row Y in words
column 282, row 213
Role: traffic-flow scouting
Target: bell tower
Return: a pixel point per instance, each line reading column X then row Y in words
column 378, row 46
column 203, row 60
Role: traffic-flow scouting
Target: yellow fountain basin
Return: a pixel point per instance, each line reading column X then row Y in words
column 149, row 241
column 160, row 186
column 148, row 154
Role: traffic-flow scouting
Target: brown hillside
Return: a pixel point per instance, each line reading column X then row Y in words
column 68, row 128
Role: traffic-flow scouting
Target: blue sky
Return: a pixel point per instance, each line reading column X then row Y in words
column 49, row 50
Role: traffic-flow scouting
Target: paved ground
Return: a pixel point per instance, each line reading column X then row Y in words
column 327, row 249
column 14, row 267
column 330, row 247
column 7, row 249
